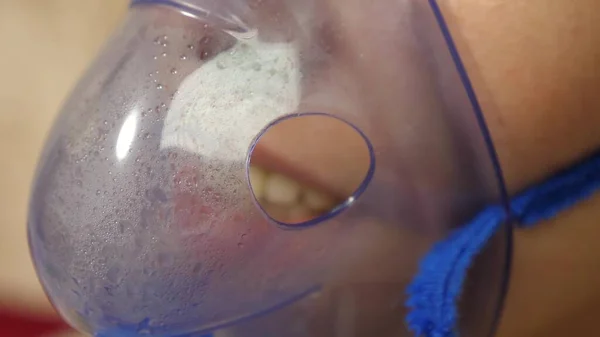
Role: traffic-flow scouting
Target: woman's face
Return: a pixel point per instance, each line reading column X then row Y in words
column 534, row 65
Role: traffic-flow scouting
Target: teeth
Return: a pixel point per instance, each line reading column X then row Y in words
column 281, row 190
column 318, row 201
column 257, row 180
column 286, row 200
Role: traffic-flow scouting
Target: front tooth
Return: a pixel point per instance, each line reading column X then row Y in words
column 281, row 190
column 258, row 178
column 318, row 201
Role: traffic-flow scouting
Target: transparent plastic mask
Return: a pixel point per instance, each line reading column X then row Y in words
column 143, row 220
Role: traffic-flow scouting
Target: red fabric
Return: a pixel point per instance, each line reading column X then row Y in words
column 14, row 324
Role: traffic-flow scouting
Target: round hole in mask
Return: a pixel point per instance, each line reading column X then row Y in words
column 306, row 168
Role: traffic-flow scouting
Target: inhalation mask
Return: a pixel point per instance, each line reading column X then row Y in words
column 270, row 168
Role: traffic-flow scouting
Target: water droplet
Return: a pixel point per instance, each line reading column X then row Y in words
column 164, row 54
column 204, row 55
column 159, row 86
column 173, row 71
column 165, row 37
column 155, row 57
column 163, row 105
column 98, row 192
column 150, row 74
column 165, row 44
column 157, row 40
column 183, row 57
column 191, row 47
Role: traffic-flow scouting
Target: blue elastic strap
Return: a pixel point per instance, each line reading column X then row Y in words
column 434, row 292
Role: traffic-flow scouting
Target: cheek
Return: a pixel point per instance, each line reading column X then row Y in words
column 534, row 65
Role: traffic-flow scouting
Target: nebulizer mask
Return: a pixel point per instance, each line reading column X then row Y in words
column 158, row 207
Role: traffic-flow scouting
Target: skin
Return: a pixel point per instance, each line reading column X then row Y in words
column 535, row 67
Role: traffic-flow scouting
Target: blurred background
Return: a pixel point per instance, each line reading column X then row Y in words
column 46, row 45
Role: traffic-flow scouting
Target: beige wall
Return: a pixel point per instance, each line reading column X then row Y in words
column 44, row 47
